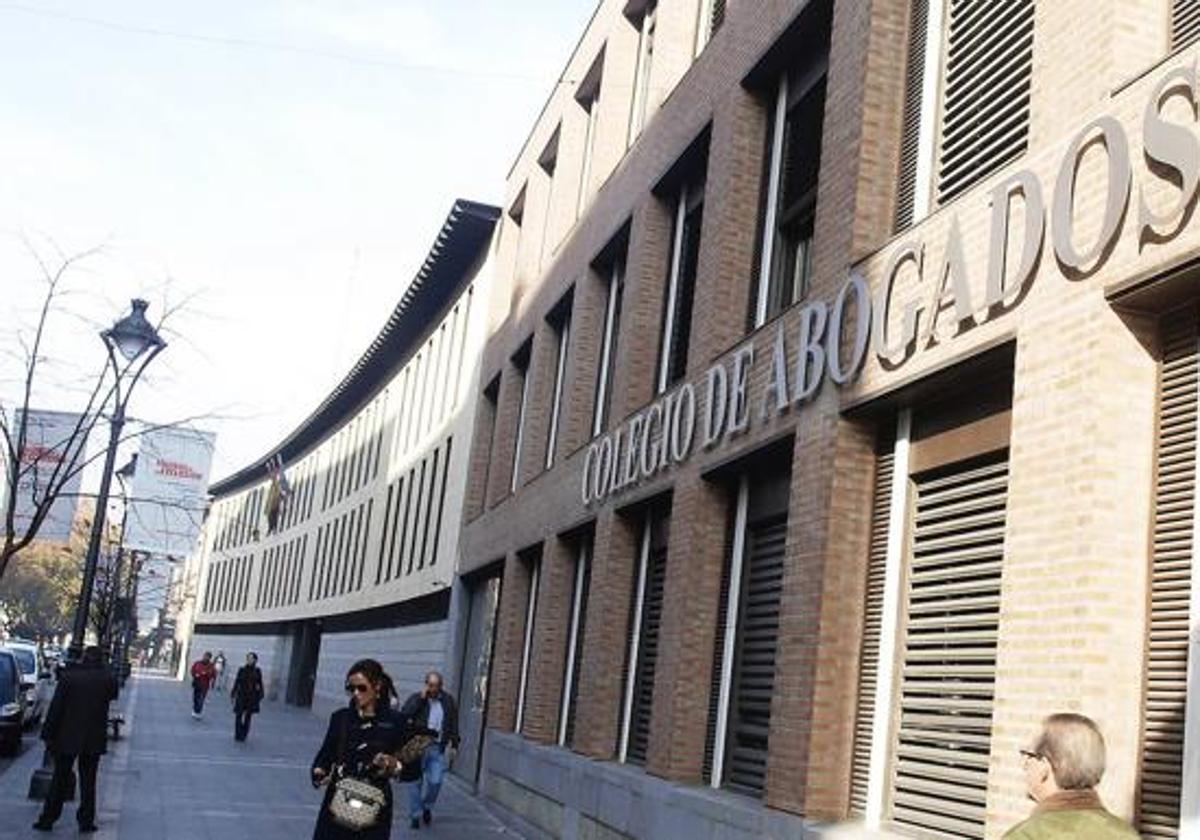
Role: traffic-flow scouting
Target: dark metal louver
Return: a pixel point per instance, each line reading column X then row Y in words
column 647, row 652
column 914, row 86
column 1185, row 23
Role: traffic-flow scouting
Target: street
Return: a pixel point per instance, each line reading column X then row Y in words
column 174, row 778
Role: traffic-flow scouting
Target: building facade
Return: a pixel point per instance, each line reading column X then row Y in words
column 361, row 557
column 842, row 422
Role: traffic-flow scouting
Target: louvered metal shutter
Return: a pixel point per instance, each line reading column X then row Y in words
column 1185, row 23
column 952, row 608
column 647, row 654
column 714, row 687
column 1171, row 572
column 985, row 110
column 754, row 661
column 914, row 84
column 718, row 17
column 868, row 668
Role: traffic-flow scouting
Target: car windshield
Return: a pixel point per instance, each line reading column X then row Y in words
column 6, row 680
column 25, row 659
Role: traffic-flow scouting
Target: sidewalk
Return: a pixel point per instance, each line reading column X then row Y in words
column 175, row 778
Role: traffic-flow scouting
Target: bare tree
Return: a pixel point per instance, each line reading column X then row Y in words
column 38, row 473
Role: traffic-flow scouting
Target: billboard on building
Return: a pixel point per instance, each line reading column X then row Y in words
column 51, row 445
column 169, row 491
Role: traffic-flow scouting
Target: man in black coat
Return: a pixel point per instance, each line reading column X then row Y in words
column 76, row 727
column 431, row 709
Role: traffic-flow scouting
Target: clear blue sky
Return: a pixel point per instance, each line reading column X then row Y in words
column 282, row 165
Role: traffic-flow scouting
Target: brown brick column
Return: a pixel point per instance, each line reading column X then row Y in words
column 641, row 307
column 542, row 367
column 509, row 645
column 724, row 285
column 604, row 642
column 551, row 627
column 481, row 453
column 812, row 710
column 682, row 682
column 505, row 437
column 583, row 361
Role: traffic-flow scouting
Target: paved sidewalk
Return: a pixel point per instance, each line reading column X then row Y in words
column 175, row 778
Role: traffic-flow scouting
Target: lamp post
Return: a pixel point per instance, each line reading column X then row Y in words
column 113, row 633
column 134, row 340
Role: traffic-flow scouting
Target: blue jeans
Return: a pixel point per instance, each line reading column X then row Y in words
column 424, row 791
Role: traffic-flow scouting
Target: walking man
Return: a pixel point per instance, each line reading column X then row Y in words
column 203, row 674
column 219, row 671
column 433, row 709
column 76, row 729
column 247, row 695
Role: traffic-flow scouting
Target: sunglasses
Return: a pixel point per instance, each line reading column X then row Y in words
column 357, row 688
column 1031, row 754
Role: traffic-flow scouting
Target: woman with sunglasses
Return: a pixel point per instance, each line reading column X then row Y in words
column 361, row 744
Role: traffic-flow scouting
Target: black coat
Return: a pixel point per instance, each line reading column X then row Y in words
column 77, row 720
column 352, row 742
column 247, row 689
column 416, row 712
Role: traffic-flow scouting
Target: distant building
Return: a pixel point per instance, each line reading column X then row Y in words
column 844, row 420
column 364, row 550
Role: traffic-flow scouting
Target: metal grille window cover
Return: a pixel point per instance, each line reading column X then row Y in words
column 1185, row 24
column 985, row 107
column 868, row 671
column 647, row 651
column 1171, row 574
column 947, row 676
column 754, row 663
column 910, row 132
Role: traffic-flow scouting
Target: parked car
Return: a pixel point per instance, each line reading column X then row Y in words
column 37, row 682
column 12, row 705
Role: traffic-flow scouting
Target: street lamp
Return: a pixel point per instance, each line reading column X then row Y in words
column 132, row 343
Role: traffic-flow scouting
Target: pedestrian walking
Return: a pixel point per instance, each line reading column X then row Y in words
column 219, row 675
column 358, row 759
column 431, row 709
column 203, row 674
column 1062, row 768
column 75, row 730
column 247, row 695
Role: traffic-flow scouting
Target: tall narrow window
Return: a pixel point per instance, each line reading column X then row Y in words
column 752, row 590
column 608, row 346
column 579, row 599
column 985, row 110
column 548, row 161
column 560, row 323
column 681, row 284
column 712, row 15
column 489, row 407
column 588, row 97
column 521, row 366
column 921, row 74
column 534, row 561
column 793, row 166
column 642, row 659
column 646, row 24
column 1185, row 23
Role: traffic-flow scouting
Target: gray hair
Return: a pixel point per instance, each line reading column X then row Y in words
column 1075, row 749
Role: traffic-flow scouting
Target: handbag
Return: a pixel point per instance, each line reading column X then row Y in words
column 355, row 804
column 414, row 749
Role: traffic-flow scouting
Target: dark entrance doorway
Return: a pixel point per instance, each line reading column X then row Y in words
column 483, row 600
column 306, row 650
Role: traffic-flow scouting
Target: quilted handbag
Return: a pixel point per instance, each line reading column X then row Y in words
column 356, row 804
column 414, row 749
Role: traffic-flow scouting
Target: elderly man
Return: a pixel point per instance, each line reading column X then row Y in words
column 1062, row 768
column 434, row 710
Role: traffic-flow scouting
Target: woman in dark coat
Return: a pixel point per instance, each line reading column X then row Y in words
column 247, row 694
column 362, row 742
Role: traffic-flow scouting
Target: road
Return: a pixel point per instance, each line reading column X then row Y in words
column 175, row 778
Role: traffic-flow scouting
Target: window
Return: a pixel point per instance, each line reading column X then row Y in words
column 751, row 590
column 487, row 433
column 579, row 599
column 560, row 323
column 608, row 344
column 712, row 15
column 521, row 365
column 1185, row 23
column 681, row 284
column 548, row 161
column 588, row 97
column 793, row 166
column 533, row 560
column 642, row 659
column 646, row 23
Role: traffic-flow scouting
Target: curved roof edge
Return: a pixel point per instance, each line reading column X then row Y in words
column 455, row 251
